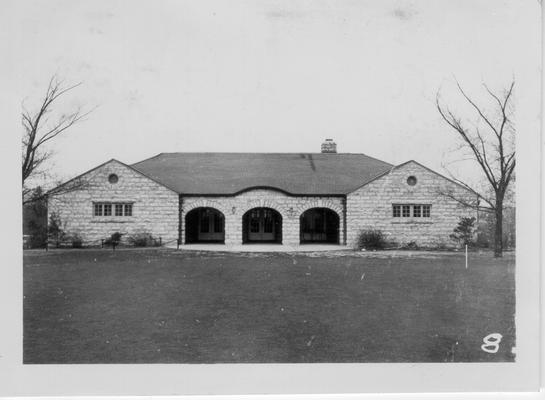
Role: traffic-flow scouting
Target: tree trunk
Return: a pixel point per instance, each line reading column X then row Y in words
column 498, row 231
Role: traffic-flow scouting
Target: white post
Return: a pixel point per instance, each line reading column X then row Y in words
column 466, row 256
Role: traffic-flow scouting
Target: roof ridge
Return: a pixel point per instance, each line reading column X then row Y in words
column 260, row 153
column 149, row 158
column 253, row 152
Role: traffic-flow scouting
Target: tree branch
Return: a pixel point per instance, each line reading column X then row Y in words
column 32, row 195
column 477, row 108
column 494, row 155
column 33, row 156
column 456, row 124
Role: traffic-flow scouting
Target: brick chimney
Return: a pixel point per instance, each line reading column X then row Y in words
column 329, row 146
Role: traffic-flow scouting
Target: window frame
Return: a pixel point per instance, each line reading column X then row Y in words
column 408, row 211
column 426, row 209
column 98, row 207
column 116, row 209
column 107, row 209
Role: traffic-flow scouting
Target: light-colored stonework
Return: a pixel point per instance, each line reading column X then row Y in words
column 289, row 207
column 161, row 212
column 370, row 207
column 155, row 208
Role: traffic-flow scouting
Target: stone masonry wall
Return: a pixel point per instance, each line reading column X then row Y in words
column 370, row 207
column 290, row 207
column 155, row 208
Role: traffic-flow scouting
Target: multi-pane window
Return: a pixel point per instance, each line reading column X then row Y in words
column 205, row 221
column 109, row 209
column 254, row 221
column 411, row 210
column 267, row 221
column 218, row 228
column 426, row 210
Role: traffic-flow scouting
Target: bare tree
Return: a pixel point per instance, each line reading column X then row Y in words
column 39, row 131
column 489, row 139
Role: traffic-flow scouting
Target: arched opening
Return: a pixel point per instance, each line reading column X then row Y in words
column 262, row 225
column 204, row 225
column 319, row 225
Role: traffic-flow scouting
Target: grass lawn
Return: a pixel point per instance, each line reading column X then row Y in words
column 164, row 306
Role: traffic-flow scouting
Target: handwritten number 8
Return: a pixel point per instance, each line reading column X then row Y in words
column 491, row 343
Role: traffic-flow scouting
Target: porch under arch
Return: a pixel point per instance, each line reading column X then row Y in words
column 204, row 225
column 319, row 225
column 262, row 225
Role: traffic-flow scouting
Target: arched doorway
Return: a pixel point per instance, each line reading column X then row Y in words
column 204, row 225
column 262, row 225
column 319, row 225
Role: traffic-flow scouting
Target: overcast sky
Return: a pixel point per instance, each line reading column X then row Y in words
column 268, row 76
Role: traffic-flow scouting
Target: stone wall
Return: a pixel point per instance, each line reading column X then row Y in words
column 290, row 207
column 370, row 207
column 155, row 208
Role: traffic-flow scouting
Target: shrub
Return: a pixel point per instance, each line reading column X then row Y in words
column 35, row 221
column 114, row 239
column 463, row 233
column 77, row 241
column 441, row 246
column 482, row 240
column 38, row 235
column 55, row 231
column 371, row 240
column 410, row 246
column 143, row 239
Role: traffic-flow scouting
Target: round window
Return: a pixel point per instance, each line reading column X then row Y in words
column 113, row 178
column 411, row 180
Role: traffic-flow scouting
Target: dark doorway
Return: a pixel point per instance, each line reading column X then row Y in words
column 204, row 225
column 319, row 225
column 262, row 225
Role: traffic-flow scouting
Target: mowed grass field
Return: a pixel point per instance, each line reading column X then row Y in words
column 164, row 306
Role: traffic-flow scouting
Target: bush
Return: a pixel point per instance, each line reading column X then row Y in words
column 143, row 239
column 114, row 239
column 482, row 241
column 77, row 241
column 441, row 246
column 463, row 233
column 371, row 240
column 55, row 231
column 38, row 236
column 410, row 246
column 35, row 221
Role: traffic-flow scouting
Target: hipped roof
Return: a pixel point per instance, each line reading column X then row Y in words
column 292, row 173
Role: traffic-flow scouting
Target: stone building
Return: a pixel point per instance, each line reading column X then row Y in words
column 244, row 198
